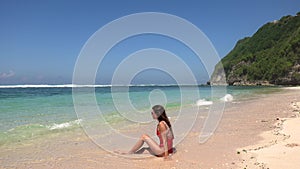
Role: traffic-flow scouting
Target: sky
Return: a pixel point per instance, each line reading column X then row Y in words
column 40, row 41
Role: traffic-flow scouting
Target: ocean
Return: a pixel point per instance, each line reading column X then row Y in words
column 32, row 112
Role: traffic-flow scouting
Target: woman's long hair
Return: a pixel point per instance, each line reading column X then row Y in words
column 161, row 114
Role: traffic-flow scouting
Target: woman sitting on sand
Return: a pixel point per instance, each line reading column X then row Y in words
column 164, row 133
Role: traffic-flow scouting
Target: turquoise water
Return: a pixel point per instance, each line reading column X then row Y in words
column 30, row 112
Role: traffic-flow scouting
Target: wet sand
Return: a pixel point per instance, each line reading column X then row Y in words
column 241, row 128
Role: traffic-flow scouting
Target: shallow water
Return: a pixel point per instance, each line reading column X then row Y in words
column 31, row 112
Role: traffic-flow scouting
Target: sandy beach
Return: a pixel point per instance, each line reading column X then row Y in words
column 255, row 133
column 279, row 147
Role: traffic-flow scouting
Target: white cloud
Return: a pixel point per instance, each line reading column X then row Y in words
column 7, row 75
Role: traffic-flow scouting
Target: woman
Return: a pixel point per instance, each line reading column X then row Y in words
column 164, row 133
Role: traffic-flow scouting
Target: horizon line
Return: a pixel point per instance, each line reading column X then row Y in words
column 93, row 85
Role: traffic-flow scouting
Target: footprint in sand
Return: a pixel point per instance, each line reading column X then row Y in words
column 292, row 145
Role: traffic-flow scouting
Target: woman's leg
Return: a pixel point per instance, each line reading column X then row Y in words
column 151, row 143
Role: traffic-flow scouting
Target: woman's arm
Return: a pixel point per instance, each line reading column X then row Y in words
column 163, row 131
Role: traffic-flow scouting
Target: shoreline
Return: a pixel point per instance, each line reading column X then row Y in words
column 240, row 127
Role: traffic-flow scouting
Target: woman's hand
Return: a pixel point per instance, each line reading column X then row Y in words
column 167, row 158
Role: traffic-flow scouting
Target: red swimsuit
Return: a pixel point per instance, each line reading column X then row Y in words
column 169, row 140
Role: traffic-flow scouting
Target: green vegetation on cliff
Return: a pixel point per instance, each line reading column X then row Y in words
column 271, row 55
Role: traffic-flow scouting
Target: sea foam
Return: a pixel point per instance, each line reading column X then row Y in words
column 203, row 102
column 78, row 86
column 64, row 125
column 51, row 86
column 227, row 98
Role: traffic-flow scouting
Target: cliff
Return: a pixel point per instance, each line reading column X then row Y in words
column 270, row 56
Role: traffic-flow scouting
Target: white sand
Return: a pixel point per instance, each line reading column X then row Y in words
column 280, row 148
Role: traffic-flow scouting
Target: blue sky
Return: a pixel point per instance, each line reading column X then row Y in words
column 41, row 40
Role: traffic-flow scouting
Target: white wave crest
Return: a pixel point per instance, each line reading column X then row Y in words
column 227, row 98
column 64, row 125
column 76, row 85
column 203, row 102
column 51, row 86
